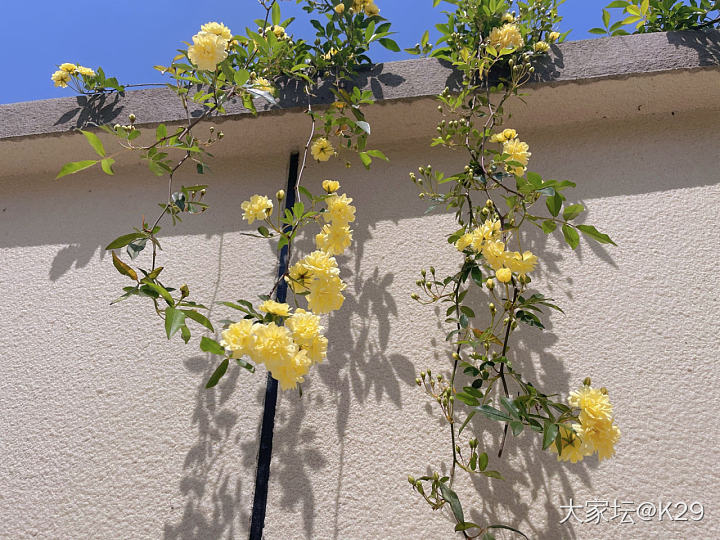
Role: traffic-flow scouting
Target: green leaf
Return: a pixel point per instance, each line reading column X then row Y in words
column 493, row 413
column 593, row 233
column 106, row 165
column 174, row 319
column 123, row 268
column 124, row 240
column 507, row 528
column 517, row 427
column 276, row 13
column 483, row 461
column 550, row 431
column 466, row 525
column 366, row 159
column 378, row 154
column 219, row 372
column 554, row 204
column 199, row 318
column 185, row 333
column 451, row 497
column 389, row 44
column 572, row 211
column 210, row 345
column 95, row 142
column 548, row 226
column 162, row 291
column 264, row 231
column 75, row 166
column 599, row 31
column 571, row 236
column 160, row 132
column 477, row 276
column 493, row 474
column 606, row 17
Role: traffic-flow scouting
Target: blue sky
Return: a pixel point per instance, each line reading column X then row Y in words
column 128, row 37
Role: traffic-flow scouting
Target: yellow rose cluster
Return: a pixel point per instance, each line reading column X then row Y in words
column 258, row 208
column 336, row 237
column 210, row 46
column 288, row 351
column 67, row 71
column 359, row 6
column 596, row 432
column 322, row 149
column 486, row 240
column 515, row 149
column 507, row 36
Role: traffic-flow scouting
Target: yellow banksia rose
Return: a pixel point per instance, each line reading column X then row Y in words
column 329, row 55
column 298, row 278
column 68, row 67
column 239, row 338
column 278, row 30
column 508, row 18
column 258, row 207
column 276, row 308
column 340, row 8
column 522, row 263
column 305, row 327
column 371, row 10
column 599, row 435
column 572, row 447
column 261, row 83
column 219, row 29
column 330, row 186
column 507, row 36
column 503, row 275
column 464, row 241
column 325, row 294
column 554, row 36
column 317, row 350
column 494, row 253
column 334, row 238
column 321, row 264
column 61, row 78
column 87, row 72
column 322, row 149
column 517, row 151
column 357, row 6
column 207, row 50
column 339, row 210
column 509, row 134
column 593, row 402
column 289, row 374
column 490, row 230
column 541, row 46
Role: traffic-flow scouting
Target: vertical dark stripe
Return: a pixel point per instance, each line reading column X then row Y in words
column 262, row 475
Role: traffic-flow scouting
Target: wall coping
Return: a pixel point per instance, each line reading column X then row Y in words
column 583, row 61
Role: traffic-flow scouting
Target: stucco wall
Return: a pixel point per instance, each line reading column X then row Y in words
column 107, row 431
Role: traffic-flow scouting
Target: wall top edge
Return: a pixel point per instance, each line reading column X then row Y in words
column 571, row 62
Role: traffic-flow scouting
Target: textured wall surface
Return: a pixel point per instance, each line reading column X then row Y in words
column 107, row 431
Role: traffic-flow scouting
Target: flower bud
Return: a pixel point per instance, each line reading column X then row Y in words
column 280, row 195
column 410, row 478
column 506, row 320
column 422, row 374
column 587, row 381
column 514, row 325
column 485, row 212
column 132, row 118
column 418, row 381
column 492, row 307
column 490, row 284
column 423, row 273
column 184, row 291
column 415, row 296
column 221, row 135
column 432, row 270
column 604, row 391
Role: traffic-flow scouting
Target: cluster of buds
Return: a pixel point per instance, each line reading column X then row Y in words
column 439, row 389
column 427, row 285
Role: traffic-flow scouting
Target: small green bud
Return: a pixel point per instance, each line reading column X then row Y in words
column 414, row 296
column 492, row 307
column 280, row 195
column 485, row 212
column 184, row 291
column 587, row 381
column 490, row 284
column 455, row 356
column 422, row 374
column 423, row 273
column 418, row 381
column 514, row 325
column 506, row 320
column 411, row 480
column 221, row 135
column 432, row 270
column 132, row 118
column 604, row 391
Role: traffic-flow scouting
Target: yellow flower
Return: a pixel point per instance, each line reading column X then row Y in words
column 494, row 253
column 334, row 238
column 278, row 30
column 572, row 447
column 261, row 83
column 288, row 374
column 329, row 55
column 239, row 338
column 273, row 345
column 321, row 149
column 340, row 8
column 464, row 241
column 490, row 230
column 298, row 278
column 330, row 186
column 508, row 18
column 357, row 6
column 506, row 37
column 85, row 71
column 517, row 151
column 207, row 50
column 339, row 210
column 68, row 67
column 321, row 264
column 258, row 207
column 509, row 134
column 317, row 350
column 600, row 435
column 276, row 308
column 504, row 275
column 325, row 294
column 371, row 10
column 305, row 327
column 522, row 263
column 219, row 29
column 592, row 402
column 541, row 46
column 61, row 78
column 554, row 36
